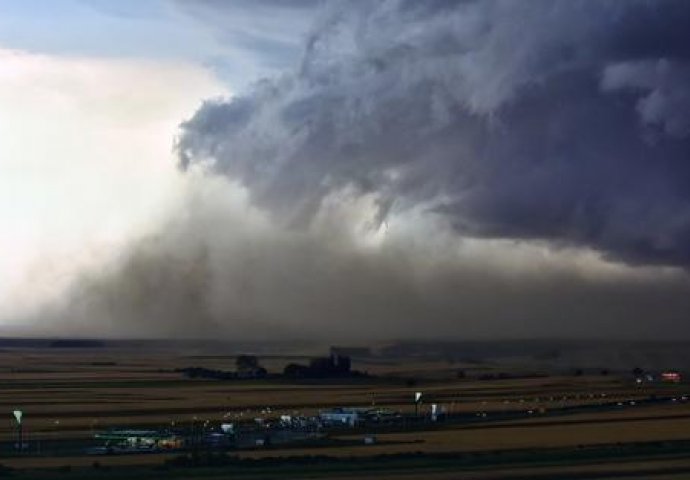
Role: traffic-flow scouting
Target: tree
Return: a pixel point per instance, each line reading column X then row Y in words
column 295, row 370
column 321, row 366
column 246, row 362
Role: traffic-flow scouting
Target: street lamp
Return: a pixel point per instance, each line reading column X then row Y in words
column 18, row 414
column 417, row 401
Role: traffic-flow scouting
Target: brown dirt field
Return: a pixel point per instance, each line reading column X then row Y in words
column 536, row 436
column 651, row 469
column 630, row 469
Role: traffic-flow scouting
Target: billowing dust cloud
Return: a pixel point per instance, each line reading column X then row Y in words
column 431, row 169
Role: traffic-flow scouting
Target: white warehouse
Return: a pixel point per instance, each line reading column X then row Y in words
column 341, row 416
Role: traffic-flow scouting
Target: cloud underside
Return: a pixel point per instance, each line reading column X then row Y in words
column 565, row 121
column 430, row 169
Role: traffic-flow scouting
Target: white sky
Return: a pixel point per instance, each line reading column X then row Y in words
column 91, row 95
column 85, row 159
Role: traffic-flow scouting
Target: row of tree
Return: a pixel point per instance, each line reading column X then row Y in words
column 247, row 366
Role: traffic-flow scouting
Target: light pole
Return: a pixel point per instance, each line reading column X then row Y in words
column 56, row 435
column 417, row 401
column 18, row 414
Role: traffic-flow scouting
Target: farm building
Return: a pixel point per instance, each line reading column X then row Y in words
column 139, row 440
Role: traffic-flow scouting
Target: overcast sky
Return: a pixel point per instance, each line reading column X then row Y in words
column 393, row 169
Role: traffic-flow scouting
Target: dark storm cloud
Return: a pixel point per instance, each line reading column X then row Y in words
column 431, row 169
column 564, row 121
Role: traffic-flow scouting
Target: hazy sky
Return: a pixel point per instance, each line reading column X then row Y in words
column 288, row 169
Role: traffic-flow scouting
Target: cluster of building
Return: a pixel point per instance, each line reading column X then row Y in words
column 352, row 417
column 128, row 441
column 261, row 432
column 669, row 376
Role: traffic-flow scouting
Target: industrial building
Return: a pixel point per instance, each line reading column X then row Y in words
column 342, row 416
column 125, row 441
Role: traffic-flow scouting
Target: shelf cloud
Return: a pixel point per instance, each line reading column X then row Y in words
column 427, row 169
column 564, row 121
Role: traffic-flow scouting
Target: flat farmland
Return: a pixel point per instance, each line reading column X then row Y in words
column 75, row 393
column 72, row 394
